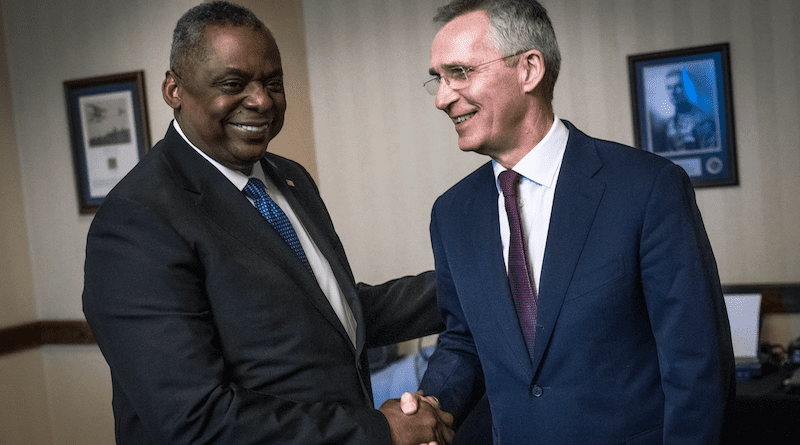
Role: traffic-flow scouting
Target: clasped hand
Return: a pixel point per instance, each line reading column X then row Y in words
column 415, row 419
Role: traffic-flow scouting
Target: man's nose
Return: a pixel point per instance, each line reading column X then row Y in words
column 257, row 97
column 445, row 95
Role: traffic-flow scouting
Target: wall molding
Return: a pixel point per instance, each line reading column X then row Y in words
column 44, row 332
column 777, row 298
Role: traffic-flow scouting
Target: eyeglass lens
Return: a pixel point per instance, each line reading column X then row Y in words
column 457, row 78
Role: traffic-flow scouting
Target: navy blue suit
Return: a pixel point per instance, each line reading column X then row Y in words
column 633, row 343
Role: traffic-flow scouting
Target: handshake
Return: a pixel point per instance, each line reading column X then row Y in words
column 415, row 419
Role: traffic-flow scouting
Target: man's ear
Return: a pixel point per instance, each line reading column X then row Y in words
column 171, row 91
column 532, row 69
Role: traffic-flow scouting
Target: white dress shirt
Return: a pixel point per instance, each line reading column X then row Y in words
column 539, row 170
column 319, row 264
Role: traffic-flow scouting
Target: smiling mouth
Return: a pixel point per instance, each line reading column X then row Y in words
column 459, row 119
column 252, row 128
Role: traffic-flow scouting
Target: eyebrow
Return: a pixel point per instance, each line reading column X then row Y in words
column 278, row 72
column 449, row 66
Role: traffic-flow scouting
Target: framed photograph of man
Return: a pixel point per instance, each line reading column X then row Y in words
column 109, row 131
column 683, row 111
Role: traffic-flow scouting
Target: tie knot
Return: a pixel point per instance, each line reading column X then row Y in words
column 508, row 182
column 255, row 189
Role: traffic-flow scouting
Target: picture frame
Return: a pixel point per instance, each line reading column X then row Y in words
column 683, row 110
column 109, row 132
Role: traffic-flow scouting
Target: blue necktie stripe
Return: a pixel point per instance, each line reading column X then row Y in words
column 278, row 220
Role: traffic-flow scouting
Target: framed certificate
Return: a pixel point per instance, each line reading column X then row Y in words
column 109, row 132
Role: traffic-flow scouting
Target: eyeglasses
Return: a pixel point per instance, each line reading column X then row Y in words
column 457, row 77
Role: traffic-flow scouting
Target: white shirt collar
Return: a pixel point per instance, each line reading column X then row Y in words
column 238, row 178
column 542, row 163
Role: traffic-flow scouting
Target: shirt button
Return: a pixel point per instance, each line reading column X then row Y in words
column 536, row 391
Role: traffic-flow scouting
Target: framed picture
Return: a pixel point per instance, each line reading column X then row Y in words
column 683, row 110
column 109, row 132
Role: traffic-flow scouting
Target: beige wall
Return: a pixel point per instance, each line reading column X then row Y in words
column 23, row 397
column 383, row 153
column 25, row 417
column 16, row 281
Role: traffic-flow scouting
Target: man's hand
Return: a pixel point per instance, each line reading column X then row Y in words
column 413, row 422
column 410, row 402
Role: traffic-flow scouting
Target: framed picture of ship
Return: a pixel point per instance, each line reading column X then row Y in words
column 109, row 132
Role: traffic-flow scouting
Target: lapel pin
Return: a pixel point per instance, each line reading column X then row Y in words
column 290, row 182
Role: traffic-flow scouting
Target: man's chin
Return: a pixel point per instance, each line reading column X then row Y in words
column 254, row 148
column 257, row 155
column 469, row 147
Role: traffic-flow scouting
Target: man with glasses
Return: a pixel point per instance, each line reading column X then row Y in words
column 576, row 280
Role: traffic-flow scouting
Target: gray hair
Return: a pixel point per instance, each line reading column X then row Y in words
column 518, row 25
column 188, row 39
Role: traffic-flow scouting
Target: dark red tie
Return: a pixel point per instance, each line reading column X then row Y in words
column 522, row 289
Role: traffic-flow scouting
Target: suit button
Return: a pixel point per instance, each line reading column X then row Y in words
column 536, row 391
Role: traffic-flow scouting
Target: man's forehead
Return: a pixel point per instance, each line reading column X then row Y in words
column 228, row 38
column 232, row 48
column 462, row 40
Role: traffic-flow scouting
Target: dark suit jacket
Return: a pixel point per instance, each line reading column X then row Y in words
column 212, row 328
column 632, row 344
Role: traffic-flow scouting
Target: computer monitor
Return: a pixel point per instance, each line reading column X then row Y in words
column 744, row 315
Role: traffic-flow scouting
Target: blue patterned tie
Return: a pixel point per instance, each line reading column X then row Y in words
column 275, row 216
column 522, row 290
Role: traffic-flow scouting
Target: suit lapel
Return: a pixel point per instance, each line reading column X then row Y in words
column 293, row 194
column 575, row 203
column 224, row 205
column 485, row 278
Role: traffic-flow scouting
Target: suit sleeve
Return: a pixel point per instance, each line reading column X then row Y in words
column 146, row 302
column 687, row 312
column 454, row 373
column 401, row 309
column 398, row 310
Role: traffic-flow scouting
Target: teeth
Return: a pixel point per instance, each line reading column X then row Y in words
column 461, row 119
column 252, row 128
